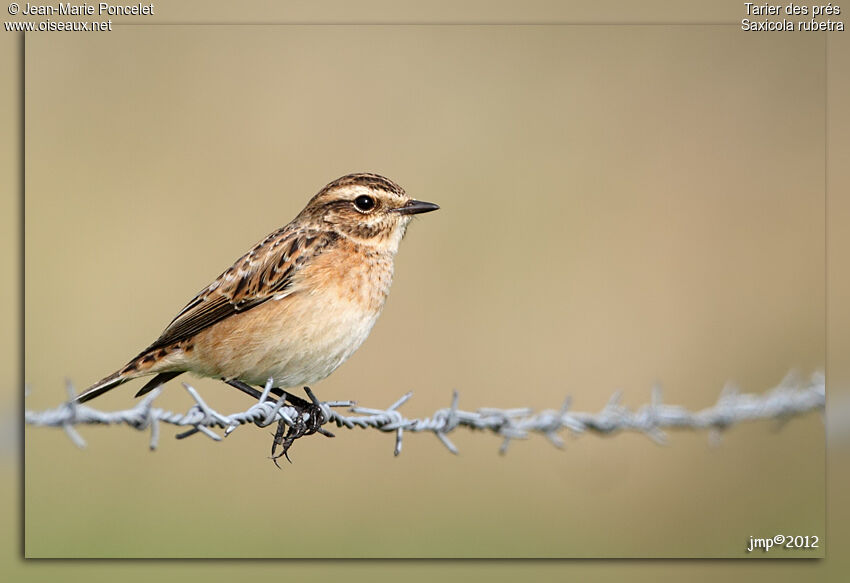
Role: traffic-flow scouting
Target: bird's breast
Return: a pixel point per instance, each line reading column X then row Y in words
column 303, row 337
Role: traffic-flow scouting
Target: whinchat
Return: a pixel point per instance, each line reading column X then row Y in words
column 297, row 305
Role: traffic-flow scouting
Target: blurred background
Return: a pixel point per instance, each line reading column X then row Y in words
column 621, row 206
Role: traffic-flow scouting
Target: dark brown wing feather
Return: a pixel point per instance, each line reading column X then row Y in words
column 265, row 271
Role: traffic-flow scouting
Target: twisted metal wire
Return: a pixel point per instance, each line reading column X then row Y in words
column 792, row 397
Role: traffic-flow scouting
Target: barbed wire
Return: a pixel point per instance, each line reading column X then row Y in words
column 792, row 397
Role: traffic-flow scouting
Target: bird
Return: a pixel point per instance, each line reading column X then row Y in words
column 294, row 307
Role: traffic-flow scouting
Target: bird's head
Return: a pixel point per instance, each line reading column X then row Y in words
column 367, row 208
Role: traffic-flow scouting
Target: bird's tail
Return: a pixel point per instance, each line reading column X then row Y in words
column 128, row 373
column 103, row 385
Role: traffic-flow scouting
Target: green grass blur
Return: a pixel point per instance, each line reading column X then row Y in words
column 620, row 206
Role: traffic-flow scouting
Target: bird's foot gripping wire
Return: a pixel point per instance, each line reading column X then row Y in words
column 308, row 419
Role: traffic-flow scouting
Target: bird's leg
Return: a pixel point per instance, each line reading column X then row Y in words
column 249, row 390
column 309, row 417
column 312, row 408
column 309, row 420
column 281, row 425
column 319, row 414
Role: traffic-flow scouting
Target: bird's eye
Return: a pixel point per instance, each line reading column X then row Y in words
column 364, row 203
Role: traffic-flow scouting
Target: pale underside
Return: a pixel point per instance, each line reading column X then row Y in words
column 298, row 337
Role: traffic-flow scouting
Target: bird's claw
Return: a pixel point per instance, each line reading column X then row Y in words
column 308, row 420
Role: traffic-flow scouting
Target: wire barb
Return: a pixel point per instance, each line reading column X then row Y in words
column 297, row 418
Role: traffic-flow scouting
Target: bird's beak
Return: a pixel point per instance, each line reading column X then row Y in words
column 414, row 207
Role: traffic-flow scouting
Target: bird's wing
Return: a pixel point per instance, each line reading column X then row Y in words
column 264, row 272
